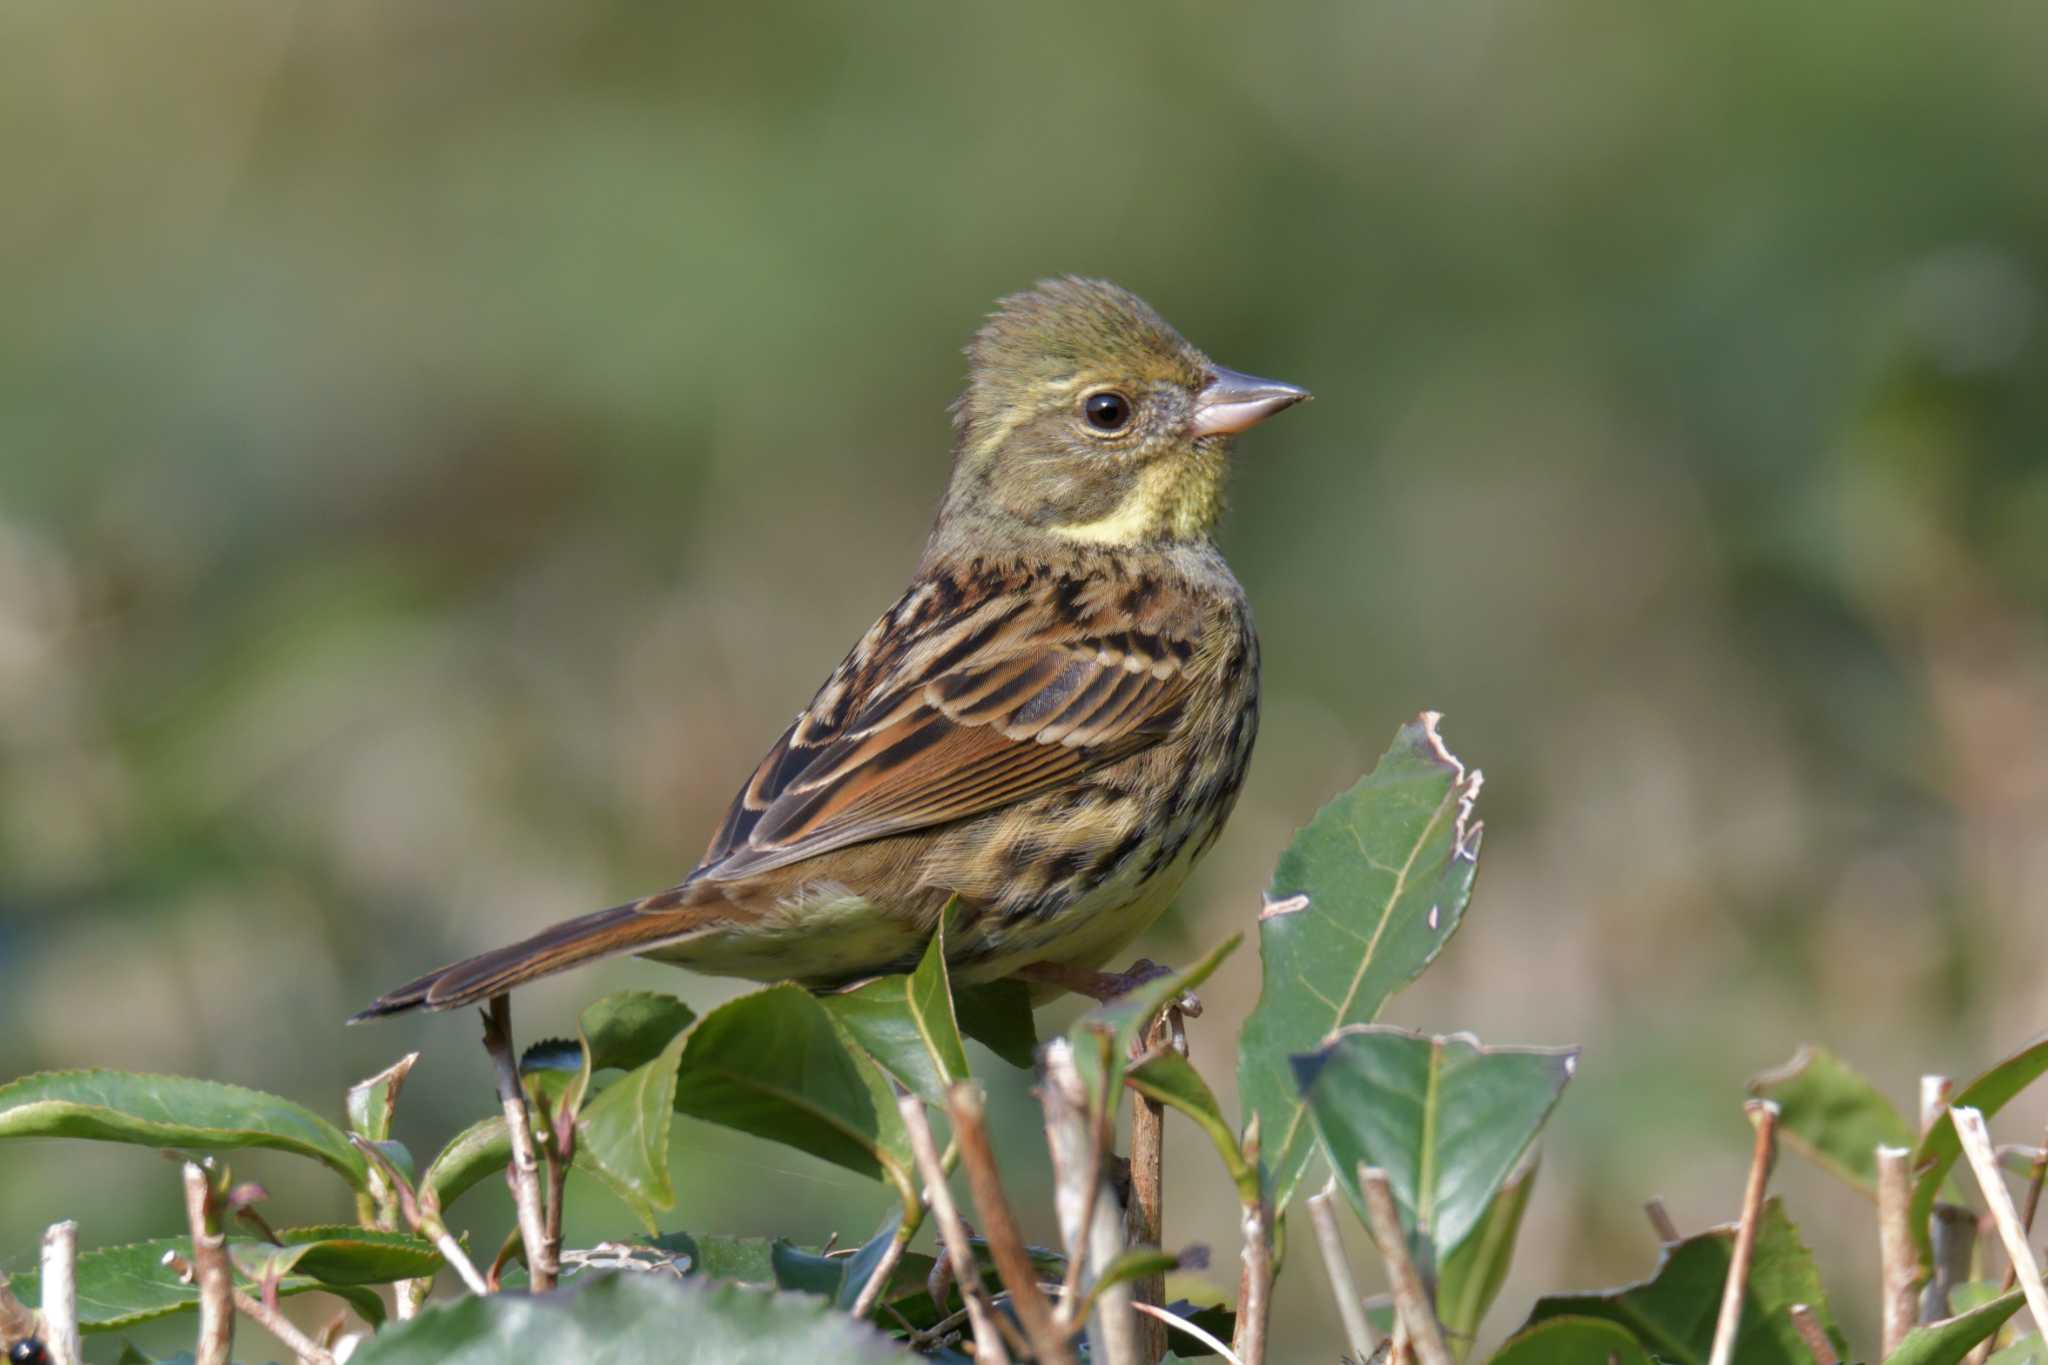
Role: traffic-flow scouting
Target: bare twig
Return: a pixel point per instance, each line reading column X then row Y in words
column 1411, row 1301
column 422, row 1216
column 1952, row 1237
column 1182, row 1324
column 60, row 1295
column 1814, row 1335
column 1763, row 1115
column 988, row 1339
column 302, row 1347
column 999, row 1222
column 210, row 1271
column 1934, row 1093
column 1255, row 1278
column 525, row 1172
column 885, row 1269
column 1351, row 1308
column 1102, row 1132
column 1089, row 1225
column 2032, row 1203
column 1984, row 1161
column 1660, row 1219
column 1145, row 1218
column 1898, row 1258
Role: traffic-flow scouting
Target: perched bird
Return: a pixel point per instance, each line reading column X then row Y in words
column 1051, row 723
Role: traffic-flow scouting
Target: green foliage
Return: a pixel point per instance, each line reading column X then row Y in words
column 1828, row 1111
column 1672, row 1314
column 1470, row 1278
column 171, row 1111
column 1446, row 1118
column 1572, row 1341
column 621, row 1318
column 1988, row 1092
column 1946, row 1342
column 1362, row 901
column 906, row 1023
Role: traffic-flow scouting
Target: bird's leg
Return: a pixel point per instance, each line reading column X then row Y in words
column 1104, row 987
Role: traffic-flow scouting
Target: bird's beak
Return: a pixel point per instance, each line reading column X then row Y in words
column 1230, row 402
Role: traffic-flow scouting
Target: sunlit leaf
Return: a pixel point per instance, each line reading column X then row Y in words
column 1360, row 903
column 171, row 1111
column 1170, row 1079
column 370, row 1102
column 1832, row 1114
column 1111, row 1032
column 622, row 1135
column 1446, row 1118
column 477, row 1152
column 1673, row 1312
column 1948, row 1341
column 906, row 1022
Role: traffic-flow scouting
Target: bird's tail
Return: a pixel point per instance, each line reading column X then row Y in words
column 621, row 929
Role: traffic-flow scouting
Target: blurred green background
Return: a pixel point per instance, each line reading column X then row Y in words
column 440, row 445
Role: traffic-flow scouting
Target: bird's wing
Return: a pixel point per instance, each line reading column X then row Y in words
column 958, row 702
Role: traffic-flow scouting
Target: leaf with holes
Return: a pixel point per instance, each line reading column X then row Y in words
column 1362, row 901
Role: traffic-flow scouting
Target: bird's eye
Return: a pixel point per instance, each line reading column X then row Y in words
column 1108, row 411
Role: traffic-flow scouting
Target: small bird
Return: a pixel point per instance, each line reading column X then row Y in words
column 1050, row 725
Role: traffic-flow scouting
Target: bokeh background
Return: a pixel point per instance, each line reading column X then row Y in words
column 440, row 445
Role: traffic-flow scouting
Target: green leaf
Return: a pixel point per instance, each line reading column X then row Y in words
column 618, row 1319
column 629, row 1029
column 2025, row 1351
column 1169, row 1078
column 171, row 1111
column 774, row 1064
column 1939, row 1146
column 997, row 1014
column 1673, row 1313
column 1473, row 1274
column 1445, row 1118
column 1948, row 1341
column 906, row 1022
column 861, row 1266
column 477, row 1152
column 121, row 1286
column 1571, row 1341
column 371, row 1101
column 622, row 1135
column 342, row 1253
column 1112, row 1031
column 1362, row 901
column 1829, row 1112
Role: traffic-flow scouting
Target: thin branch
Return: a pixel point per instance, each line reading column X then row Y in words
column 1763, row 1115
column 1660, row 1219
column 988, row 1339
column 210, row 1272
column 525, row 1171
column 1145, row 1217
column 1174, row 1320
column 885, row 1269
column 1952, row 1237
column 1934, row 1093
column 1103, row 1140
column 422, row 1217
column 2033, row 1202
column 1984, row 1161
column 1351, row 1308
column 60, row 1295
column 1814, row 1335
column 1089, row 1224
column 1411, row 1300
column 999, row 1223
column 1255, row 1279
column 302, row 1347
column 1898, row 1258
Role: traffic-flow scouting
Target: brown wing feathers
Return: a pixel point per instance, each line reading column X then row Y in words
column 971, row 694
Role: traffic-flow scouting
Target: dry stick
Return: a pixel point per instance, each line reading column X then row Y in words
column 988, row 1340
column 210, row 1272
column 1816, row 1338
column 1763, row 1114
column 1145, row 1219
column 60, row 1295
column 1171, row 1321
column 1411, row 1300
column 1660, row 1219
column 885, row 1269
column 1255, row 1281
column 1089, row 1225
column 999, row 1224
column 1984, row 1161
column 424, row 1218
column 1897, row 1258
column 303, row 1347
column 1357, row 1331
column 2033, row 1202
column 541, row 1258
column 1934, row 1093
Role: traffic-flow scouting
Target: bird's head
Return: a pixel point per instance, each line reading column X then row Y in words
column 1089, row 420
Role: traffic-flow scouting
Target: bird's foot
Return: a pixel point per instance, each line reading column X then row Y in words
column 1104, row 987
